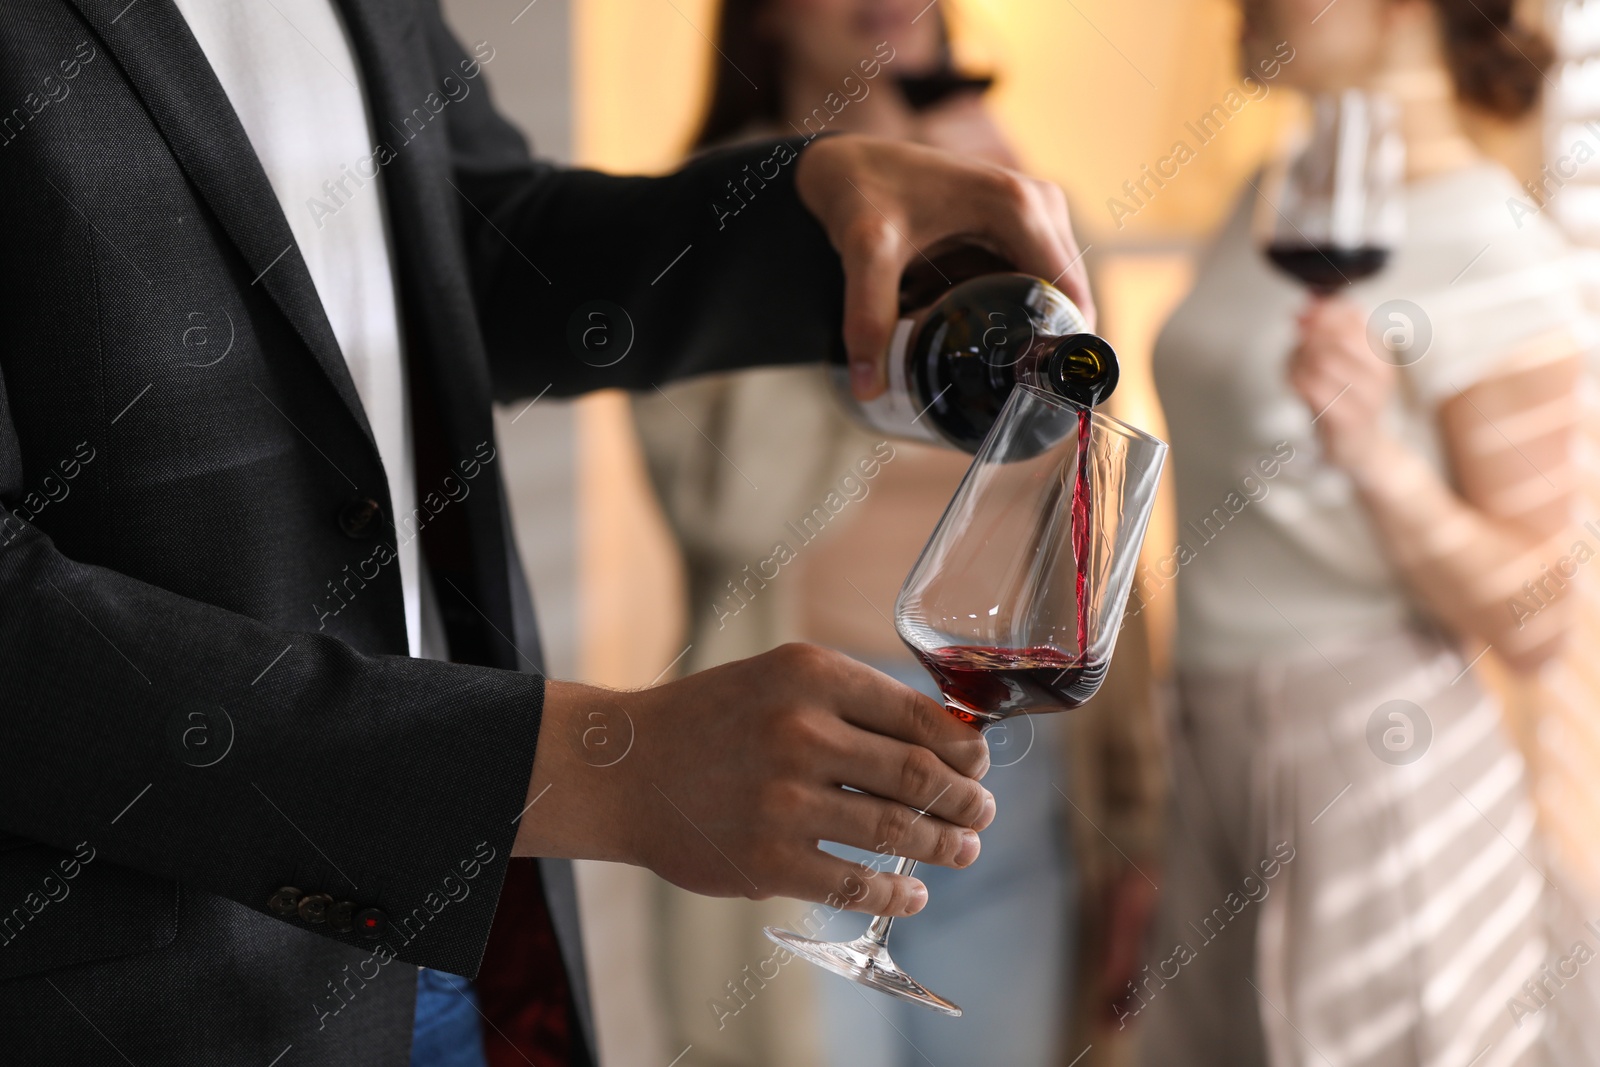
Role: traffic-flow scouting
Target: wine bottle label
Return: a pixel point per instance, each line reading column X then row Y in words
column 898, row 412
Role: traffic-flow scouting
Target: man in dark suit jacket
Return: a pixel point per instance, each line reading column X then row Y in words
column 238, row 813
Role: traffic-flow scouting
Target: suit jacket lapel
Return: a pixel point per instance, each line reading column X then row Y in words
column 406, row 95
column 403, row 91
column 168, row 70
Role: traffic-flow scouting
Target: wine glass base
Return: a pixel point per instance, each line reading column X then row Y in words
column 865, row 962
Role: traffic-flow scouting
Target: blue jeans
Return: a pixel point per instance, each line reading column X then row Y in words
column 996, row 938
column 446, row 1033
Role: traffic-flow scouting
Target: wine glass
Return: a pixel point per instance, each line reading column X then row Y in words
column 1015, row 603
column 1330, row 214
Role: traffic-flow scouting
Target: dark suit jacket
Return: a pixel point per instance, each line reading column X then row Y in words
column 204, row 693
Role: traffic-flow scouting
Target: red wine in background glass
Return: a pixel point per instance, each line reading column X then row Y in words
column 1325, row 269
column 984, row 685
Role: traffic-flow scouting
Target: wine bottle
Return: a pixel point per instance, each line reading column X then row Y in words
column 953, row 363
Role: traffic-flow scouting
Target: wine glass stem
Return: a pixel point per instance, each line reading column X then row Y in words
column 878, row 931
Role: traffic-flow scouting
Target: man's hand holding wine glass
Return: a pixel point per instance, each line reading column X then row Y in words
column 733, row 775
column 1342, row 382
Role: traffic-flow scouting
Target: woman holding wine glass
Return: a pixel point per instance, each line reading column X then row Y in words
column 1353, row 872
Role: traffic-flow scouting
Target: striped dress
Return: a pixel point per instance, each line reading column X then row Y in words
column 1404, row 909
column 1362, row 867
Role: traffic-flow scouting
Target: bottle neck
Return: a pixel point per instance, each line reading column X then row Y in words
column 1080, row 367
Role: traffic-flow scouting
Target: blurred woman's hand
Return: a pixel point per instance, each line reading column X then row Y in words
column 1341, row 381
column 883, row 204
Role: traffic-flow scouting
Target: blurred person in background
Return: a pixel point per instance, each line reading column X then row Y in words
column 1322, row 904
column 734, row 458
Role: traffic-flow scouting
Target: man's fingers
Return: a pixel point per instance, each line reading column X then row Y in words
column 915, row 777
column 873, row 256
column 856, row 887
column 1074, row 278
column 880, row 705
column 876, row 703
column 1018, row 215
column 891, row 829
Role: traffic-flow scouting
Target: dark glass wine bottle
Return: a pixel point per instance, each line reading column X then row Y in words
column 953, row 363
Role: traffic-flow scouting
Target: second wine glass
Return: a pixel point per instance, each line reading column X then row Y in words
column 1331, row 214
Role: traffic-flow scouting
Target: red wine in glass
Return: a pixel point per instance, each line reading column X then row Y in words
column 984, row 685
column 1325, row 269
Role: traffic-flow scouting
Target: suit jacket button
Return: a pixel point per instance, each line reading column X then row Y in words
column 285, row 903
column 371, row 923
column 341, row 917
column 314, row 907
column 361, row 518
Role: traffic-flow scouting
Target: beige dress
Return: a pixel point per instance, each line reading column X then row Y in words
column 734, row 458
column 1355, row 871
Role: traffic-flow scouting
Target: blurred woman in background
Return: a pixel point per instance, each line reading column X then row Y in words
column 736, row 458
column 1332, row 897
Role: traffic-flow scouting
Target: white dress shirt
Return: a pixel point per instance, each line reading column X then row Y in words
column 292, row 77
